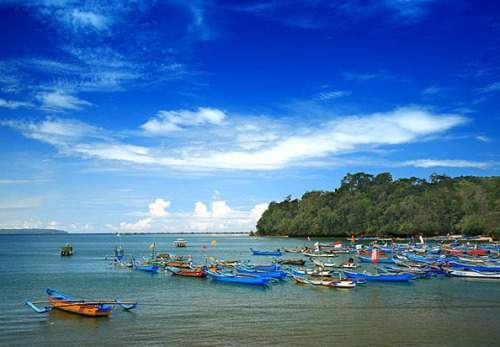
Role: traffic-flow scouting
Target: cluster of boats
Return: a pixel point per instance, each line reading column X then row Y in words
column 391, row 263
column 394, row 262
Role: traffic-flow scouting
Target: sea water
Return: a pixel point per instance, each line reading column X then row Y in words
column 178, row 311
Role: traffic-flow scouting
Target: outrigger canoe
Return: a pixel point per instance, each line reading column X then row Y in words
column 348, row 284
column 276, row 253
column 231, row 278
column 474, row 274
column 378, row 277
column 89, row 308
column 192, row 272
column 281, row 275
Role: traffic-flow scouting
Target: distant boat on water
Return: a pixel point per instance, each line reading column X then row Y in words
column 180, row 243
column 67, row 250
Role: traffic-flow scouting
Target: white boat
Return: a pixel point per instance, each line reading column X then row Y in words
column 180, row 243
column 474, row 274
column 320, row 255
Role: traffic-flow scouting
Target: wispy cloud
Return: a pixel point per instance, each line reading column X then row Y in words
column 329, row 95
column 301, row 146
column 483, row 138
column 432, row 90
column 168, row 121
column 493, row 87
column 12, row 104
column 60, row 100
column 452, row 163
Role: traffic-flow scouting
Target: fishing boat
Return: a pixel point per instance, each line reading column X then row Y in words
column 89, row 308
column 281, row 275
column 320, row 255
column 240, row 279
column 468, row 267
column 297, row 261
column 66, row 250
column 379, row 277
column 474, row 274
column 180, row 243
column 263, row 267
column 276, row 253
column 346, row 265
column 348, row 284
column 192, row 272
column 179, row 264
column 311, row 272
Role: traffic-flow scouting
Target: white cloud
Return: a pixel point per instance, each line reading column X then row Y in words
column 60, row 100
column 432, row 90
column 157, row 212
column 157, row 209
column 225, row 148
column 493, row 87
column 201, row 210
column 140, row 225
column 323, row 96
column 11, row 104
column 168, row 121
column 220, row 209
column 258, row 210
column 453, row 163
column 58, row 132
column 483, row 138
column 81, row 18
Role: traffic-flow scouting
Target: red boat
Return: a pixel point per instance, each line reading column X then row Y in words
column 477, row 252
column 191, row 272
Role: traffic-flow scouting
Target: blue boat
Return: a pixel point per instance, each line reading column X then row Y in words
column 281, row 275
column 276, row 253
column 469, row 267
column 241, row 279
column 147, row 268
column 378, row 277
column 364, row 259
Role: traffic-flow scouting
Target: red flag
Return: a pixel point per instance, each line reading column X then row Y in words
column 353, row 239
column 374, row 255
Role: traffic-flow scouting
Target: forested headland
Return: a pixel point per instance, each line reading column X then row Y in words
column 380, row 206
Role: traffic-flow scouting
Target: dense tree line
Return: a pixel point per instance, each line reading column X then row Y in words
column 378, row 205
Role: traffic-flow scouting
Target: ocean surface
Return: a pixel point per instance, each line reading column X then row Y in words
column 176, row 311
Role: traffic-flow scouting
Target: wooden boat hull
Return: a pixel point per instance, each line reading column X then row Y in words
column 250, row 280
column 474, row 274
column 66, row 303
column 197, row 272
column 268, row 253
column 380, row 278
column 179, row 264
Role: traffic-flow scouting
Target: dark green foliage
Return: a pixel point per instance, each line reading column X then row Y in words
column 377, row 205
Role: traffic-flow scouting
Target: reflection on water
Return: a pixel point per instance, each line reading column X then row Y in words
column 178, row 311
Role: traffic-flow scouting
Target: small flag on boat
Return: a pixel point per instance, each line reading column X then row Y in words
column 213, row 243
column 374, row 255
column 152, row 246
column 421, row 239
column 353, row 238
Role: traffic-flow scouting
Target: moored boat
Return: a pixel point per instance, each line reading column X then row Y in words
column 276, row 253
column 474, row 274
column 67, row 250
column 192, row 272
column 89, row 308
column 379, row 277
column 240, row 279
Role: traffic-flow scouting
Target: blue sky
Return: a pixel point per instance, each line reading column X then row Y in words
column 193, row 115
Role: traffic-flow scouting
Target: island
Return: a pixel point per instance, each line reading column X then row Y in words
column 31, row 231
column 378, row 205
